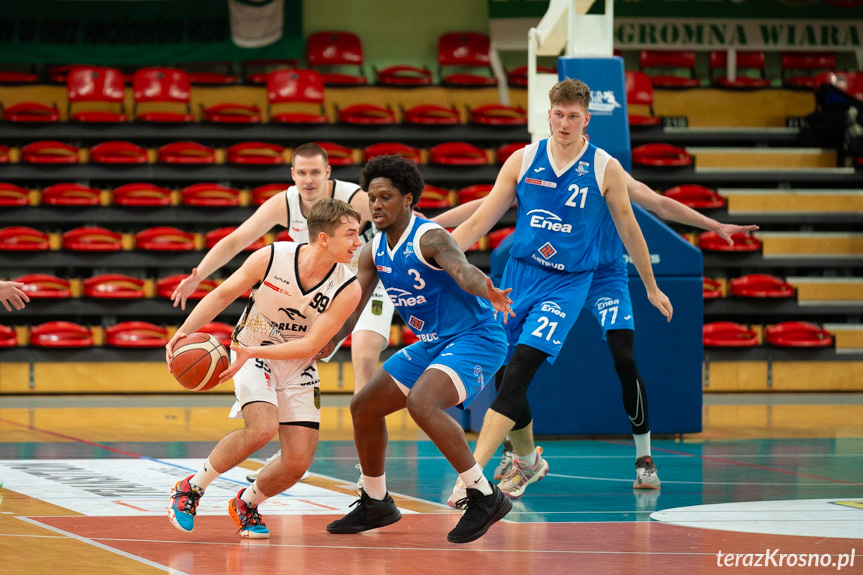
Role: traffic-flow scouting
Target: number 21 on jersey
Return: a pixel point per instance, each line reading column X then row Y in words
column 573, row 201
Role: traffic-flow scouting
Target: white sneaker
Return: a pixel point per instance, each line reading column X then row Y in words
column 458, row 498
column 518, row 478
column 505, row 464
column 645, row 474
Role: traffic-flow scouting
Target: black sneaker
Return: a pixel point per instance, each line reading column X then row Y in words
column 369, row 514
column 482, row 512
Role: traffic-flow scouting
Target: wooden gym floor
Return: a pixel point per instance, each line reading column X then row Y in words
column 87, row 479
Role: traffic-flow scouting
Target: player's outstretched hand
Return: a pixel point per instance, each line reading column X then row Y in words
column 169, row 348
column 12, row 295
column 185, row 288
column 500, row 300
column 243, row 354
column 725, row 231
column 661, row 302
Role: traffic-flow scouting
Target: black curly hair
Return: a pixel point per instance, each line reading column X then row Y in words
column 404, row 175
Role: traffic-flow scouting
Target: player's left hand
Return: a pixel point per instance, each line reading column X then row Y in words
column 661, row 302
column 500, row 300
column 242, row 355
column 725, row 231
column 326, row 351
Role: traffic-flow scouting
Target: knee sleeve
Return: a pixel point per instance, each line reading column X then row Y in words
column 525, row 417
column 511, row 398
column 620, row 344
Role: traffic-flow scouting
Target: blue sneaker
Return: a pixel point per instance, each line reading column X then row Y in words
column 247, row 519
column 184, row 502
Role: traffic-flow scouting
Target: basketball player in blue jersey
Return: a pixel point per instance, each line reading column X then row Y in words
column 451, row 306
column 303, row 294
column 610, row 304
column 565, row 187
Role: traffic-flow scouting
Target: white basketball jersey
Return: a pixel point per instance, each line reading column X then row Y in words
column 280, row 309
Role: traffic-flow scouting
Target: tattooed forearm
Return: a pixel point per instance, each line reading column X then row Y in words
column 439, row 248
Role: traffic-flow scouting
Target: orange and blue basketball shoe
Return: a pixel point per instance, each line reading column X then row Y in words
column 247, row 518
column 184, row 502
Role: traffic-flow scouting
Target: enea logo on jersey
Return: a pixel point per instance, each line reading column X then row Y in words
column 276, row 288
column 553, row 308
column 603, row 102
column 416, row 323
column 546, row 220
column 404, row 298
column 543, row 183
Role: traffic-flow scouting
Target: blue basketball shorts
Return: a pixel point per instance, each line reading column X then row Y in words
column 546, row 304
column 609, row 302
column 470, row 358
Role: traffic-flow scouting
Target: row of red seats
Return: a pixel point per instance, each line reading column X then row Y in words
column 109, row 286
column 163, row 95
column 751, row 285
column 141, row 194
column 245, row 153
column 786, row 334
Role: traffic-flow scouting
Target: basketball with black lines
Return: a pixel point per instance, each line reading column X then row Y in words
column 199, row 359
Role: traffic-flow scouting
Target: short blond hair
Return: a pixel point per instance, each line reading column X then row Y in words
column 570, row 91
column 327, row 214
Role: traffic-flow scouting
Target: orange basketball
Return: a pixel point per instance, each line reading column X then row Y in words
column 199, row 360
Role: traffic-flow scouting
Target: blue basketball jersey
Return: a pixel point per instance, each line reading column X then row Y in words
column 560, row 211
column 426, row 297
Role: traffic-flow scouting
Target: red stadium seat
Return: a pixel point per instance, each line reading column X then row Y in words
column 639, row 92
column 366, row 114
column 797, row 334
column 432, row 114
column 408, row 336
column 474, row 192
column 434, row 198
column 728, row 334
column 23, row 239
column 404, row 75
column 711, row 241
column 669, row 68
column 4, row 154
column 505, row 151
column 258, row 71
column 257, row 153
column 695, row 196
column 467, row 52
column 661, row 155
column 747, row 61
column 499, row 115
column 337, row 154
column 284, row 236
column 213, row 237
column 457, row 154
column 70, row 195
column 45, row 286
column 118, row 152
column 31, row 112
column 141, row 194
column 761, row 285
column 263, row 193
column 61, row 334
column 167, row 91
column 210, row 73
column 186, row 153
column 8, row 336
column 799, row 69
column 221, row 331
column 166, row 286
column 92, row 85
column 497, row 236
column 165, row 239
column 517, row 77
column 849, row 82
column 12, row 195
column 50, row 152
column 232, row 113
column 392, row 149
column 711, row 288
column 210, row 196
column 18, row 77
column 136, row 334
column 92, row 239
column 299, row 93
column 330, row 52
column 114, row 286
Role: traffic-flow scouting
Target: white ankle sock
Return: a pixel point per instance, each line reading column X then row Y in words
column 526, row 460
column 205, row 476
column 642, row 444
column 474, row 479
column 253, row 496
column 375, row 487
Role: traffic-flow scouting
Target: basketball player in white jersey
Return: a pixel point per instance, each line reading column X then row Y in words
column 12, row 295
column 310, row 171
column 303, row 294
